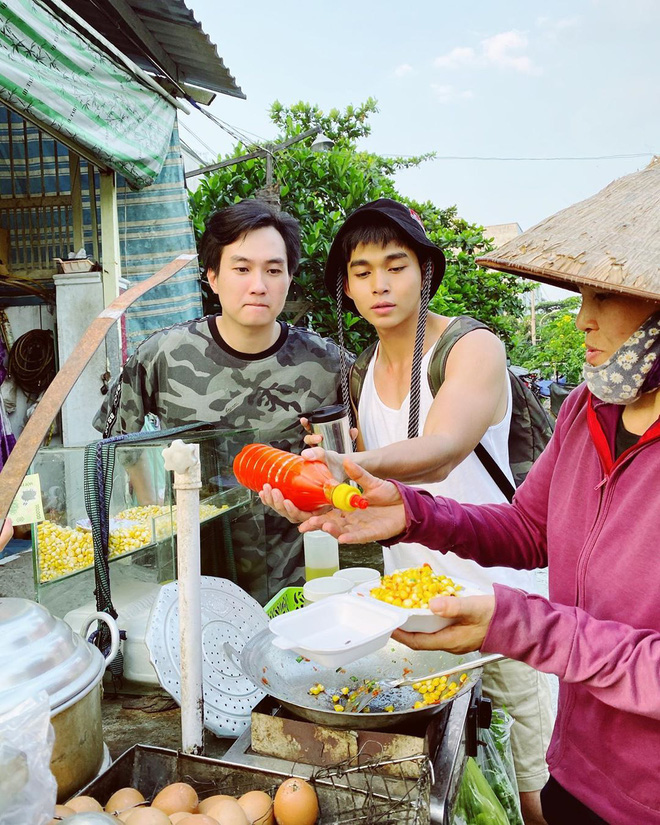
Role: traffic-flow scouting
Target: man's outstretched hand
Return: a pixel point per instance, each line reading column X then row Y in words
column 384, row 517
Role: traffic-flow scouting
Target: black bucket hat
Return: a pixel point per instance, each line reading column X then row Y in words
column 406, row 221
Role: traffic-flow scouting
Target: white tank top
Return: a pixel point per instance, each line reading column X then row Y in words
column 469, row 482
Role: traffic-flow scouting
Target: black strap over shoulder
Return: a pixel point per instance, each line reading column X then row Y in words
column 456, row 329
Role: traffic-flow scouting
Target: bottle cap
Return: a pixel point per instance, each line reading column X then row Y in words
column 325, row 414
column 346, row 497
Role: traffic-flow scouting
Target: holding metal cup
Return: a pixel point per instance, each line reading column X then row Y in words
column 334, row 425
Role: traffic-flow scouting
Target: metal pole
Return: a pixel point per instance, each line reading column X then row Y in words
column 183, row 460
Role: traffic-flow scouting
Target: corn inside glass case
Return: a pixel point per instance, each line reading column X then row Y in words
column 142, row 516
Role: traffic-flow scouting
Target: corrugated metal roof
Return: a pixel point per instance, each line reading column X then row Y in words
column 160, row 34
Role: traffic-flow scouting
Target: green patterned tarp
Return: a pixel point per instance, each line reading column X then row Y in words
column 54, row 76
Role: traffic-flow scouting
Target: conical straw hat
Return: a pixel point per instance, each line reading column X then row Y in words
column 608, row 241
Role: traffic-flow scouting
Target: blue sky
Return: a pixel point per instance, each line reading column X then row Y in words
column 489, row 78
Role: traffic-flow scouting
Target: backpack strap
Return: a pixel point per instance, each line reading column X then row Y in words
column 457, row 328
column 357, row 374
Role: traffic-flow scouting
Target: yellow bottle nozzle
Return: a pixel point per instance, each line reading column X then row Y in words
column 346, row 497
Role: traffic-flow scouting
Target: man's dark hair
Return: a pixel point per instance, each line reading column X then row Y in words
column 231, row 223
column 380, row 232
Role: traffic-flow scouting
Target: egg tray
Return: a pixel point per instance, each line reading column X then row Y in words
column 346, row 794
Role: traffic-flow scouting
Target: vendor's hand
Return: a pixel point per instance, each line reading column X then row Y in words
column 274, row 498
column 6, row 533
column 384, row 517
column 472, row 614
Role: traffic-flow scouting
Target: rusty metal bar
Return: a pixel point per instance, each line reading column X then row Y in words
column 35, row 430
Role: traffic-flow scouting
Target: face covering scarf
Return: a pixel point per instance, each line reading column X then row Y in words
column 633, row 370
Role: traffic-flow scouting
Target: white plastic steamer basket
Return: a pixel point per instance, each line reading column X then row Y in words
column 229, row 614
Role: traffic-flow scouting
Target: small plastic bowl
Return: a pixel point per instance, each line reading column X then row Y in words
column 359, row 575
column 324, row 586
column 420, row 619
column 336, row 631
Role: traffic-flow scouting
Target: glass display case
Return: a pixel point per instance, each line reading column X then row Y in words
column 142, row 520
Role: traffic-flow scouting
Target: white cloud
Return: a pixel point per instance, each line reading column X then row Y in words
column 553, row 28
column 503, row 50
column 460, row 56
column 403, row 70
column 448, row 93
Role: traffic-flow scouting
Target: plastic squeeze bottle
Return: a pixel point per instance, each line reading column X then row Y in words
column 308, row 484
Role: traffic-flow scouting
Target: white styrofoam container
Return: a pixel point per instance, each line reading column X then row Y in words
column 418, row 619
column 338, row 630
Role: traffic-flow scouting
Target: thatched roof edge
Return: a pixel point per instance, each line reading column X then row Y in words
column 609, row 241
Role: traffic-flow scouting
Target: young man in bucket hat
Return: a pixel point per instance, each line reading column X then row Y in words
column 383, row 265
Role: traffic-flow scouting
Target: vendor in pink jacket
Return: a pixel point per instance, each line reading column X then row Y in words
column 589, row 510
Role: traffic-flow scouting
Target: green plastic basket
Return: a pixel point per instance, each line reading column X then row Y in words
column 289, row 598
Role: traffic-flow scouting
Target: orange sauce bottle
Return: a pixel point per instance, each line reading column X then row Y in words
column 308, row 484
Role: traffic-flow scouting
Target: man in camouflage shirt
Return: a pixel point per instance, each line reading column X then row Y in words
column 241, row 368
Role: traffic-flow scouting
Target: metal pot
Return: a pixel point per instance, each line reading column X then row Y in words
column 41, row 652
column 288, row 677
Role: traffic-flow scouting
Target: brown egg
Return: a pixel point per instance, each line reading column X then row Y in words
column 176, row 818
column 198, row 819
column 123, row 799
column 148, row 816
column 228, row 812
column 176, row 797
column 83, row 803
column 62, row 811
column 206, row 804
column 258, row 807
column 295, row 803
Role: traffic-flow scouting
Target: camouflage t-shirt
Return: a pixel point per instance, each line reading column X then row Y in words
column 187, row 374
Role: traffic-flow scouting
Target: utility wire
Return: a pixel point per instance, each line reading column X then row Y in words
column 191, row 152
column 212, row 153
column 481, row 157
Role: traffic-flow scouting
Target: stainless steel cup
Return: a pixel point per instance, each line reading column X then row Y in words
column 333, row 424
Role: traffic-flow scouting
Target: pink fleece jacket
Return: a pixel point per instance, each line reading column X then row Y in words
column 593, row 522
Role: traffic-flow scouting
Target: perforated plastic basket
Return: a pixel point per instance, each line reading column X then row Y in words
column 289, row 598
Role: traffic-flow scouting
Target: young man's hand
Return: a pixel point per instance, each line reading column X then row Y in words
column 471, row 615
column 274, row 498
column 384, row 517
column 333, row 460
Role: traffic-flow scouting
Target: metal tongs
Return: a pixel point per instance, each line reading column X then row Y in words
column 411, row 680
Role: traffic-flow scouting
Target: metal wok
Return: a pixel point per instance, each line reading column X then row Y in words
column 287, row 677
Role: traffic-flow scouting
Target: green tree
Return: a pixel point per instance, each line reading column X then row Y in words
column 559, row 349
column 321, row 188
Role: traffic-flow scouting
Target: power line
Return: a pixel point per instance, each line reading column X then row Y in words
column 493, row 158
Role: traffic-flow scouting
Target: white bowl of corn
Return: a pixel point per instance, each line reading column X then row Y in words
column 411, row 590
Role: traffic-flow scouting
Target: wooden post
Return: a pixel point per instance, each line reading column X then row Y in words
column 111, row 261
column 76, row 203
column 533, row 316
